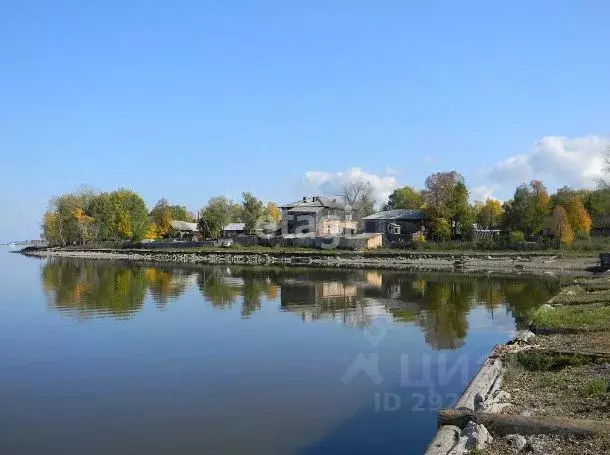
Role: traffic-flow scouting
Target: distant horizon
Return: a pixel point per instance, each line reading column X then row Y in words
column 195, row 100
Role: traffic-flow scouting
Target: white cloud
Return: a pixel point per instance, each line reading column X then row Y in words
column 482, row 193
column 331, row 183
column 567, row 161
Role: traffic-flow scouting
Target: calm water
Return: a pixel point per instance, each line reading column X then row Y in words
column 102, row 357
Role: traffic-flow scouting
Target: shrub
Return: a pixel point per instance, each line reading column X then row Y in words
column 418, row 239
column 597, row 388
column 516, row 237
column 546, row 362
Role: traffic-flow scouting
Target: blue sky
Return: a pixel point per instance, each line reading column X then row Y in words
column 190, row 99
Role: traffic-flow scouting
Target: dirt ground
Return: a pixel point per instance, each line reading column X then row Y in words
column 593, row 341
column 550, row 444
column 579, row 392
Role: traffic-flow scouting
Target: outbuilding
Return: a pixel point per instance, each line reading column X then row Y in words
column 398, row 222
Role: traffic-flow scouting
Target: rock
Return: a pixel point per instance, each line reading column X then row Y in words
column 516, row 441
column 473, row 436
column 476, row 436
column 525, row 336
column 527, row 413
column 546, row 306
column 478, row 402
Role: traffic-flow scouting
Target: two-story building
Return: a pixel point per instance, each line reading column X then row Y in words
column 319, row 216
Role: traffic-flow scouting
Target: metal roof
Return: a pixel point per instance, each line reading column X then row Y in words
column 183, row 226
column 234, row 227
column 319, row 201
column 396, row 215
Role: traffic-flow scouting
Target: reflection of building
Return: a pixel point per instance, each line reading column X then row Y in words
column 374, row 279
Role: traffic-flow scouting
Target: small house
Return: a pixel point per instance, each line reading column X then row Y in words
column 233, row 230
column 398, row 222
column 185, row 230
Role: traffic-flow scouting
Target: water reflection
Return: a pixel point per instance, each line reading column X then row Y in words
column 438, row 304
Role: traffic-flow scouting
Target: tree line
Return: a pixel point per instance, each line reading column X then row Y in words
column 532, row 213
column 84, row 216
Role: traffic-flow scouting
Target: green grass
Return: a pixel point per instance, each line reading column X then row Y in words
column 597, row 388
column 546, row 362
column 586, row 317
column 578, row 295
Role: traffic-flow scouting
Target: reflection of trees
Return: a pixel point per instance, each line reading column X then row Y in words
column 444, row 316
column 439, row 304
column 83, row 288
column 216, row 290
column 165, row 285
column 221, row 287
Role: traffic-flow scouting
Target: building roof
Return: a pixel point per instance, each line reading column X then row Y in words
column 320, row 202
column 234, row 227
column 183, row 226
column 397, row 215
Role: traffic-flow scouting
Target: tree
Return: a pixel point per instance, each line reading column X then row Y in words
column 358, row 194
column 252, row 211
column 441, row 230
column 52, row 228
column 161, row 217
column 120, row 215
column 180, row 213
column 561, row 226
column 273, row 212
column 604, row 182
column 214, row 216
column 446, row 196
column 579, row 219
column 405, row 198
column 528, row 209
column 489, row 215
column 67, row 219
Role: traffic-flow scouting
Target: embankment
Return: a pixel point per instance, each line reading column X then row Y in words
column 531, row 263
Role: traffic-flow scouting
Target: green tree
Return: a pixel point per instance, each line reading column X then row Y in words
column 441, row 229
column 528, row 209
column 68, row 219
column 218, row 212
column 252, row 210
column 120, row 215
column 405, row 198
column 181, row 213
column 446, row 197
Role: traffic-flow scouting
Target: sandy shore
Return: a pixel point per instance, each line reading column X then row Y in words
column 429, row 261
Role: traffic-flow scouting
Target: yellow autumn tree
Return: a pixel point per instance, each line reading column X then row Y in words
column 579, row 218
column 489, row 214
column 123, row 225
column 84, row 223
column 561, row 226
column 273, row 211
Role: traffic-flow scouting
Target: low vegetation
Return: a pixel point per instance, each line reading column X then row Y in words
column 583, row 317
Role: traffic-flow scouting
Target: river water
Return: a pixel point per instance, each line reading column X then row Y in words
column 103, row 357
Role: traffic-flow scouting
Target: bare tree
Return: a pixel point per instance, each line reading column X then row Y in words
column 359, row 194
column 604, row 182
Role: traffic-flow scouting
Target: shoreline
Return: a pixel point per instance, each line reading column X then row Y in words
column 457, row 262
column 544, row 391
